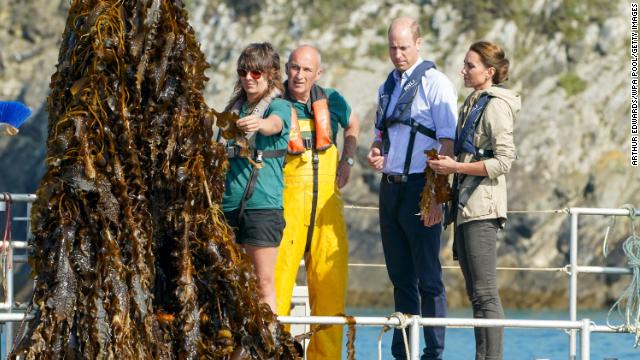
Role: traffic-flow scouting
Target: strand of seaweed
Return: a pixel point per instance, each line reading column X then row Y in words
column 436, row 187
column 132, row 256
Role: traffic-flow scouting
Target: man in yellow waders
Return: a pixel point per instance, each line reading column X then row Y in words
column 313, row 175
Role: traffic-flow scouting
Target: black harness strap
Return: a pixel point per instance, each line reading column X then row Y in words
column 259, row 155
column 314, row 201
column 388, row 122
column 407, row 157
column 407, row 166
column 415, row 128
column 317, row 93
column 248, row 191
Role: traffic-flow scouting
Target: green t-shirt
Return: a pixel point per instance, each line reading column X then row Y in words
column 270, row 184
column 338, row 107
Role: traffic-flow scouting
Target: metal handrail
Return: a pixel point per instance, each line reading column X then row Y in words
column 7, row 316
column 573, row 269
column 585, row 326
column 576, row 269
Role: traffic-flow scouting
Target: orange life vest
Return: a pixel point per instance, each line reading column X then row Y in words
column 322, row 122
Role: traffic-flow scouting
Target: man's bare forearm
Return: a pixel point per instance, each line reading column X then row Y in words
column 351, row 137
column 446, row 147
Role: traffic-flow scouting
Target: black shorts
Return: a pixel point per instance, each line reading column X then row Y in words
column 257, row 227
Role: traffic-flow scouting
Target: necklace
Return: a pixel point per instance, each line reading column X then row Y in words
column 246, row 108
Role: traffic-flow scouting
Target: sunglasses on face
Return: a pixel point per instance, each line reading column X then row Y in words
column 255, row 74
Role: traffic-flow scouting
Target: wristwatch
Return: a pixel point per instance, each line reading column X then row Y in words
column 349, row 161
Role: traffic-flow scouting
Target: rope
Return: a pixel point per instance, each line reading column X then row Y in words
column 453, row 267
column 627, row 306
column 612, row 224
column 384, row 330
column 18, row 335
column 549, row 211
column 6, row 250
column 314, row 329
column 402, row 326
column 358, row 207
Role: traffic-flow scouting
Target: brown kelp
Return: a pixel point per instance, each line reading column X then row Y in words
column 226, row 122
column 131, row 254
column 436, row 186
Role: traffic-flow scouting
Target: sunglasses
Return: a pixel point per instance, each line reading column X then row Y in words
column 255, row 74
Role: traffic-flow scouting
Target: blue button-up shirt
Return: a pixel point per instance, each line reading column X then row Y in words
column 434, row 106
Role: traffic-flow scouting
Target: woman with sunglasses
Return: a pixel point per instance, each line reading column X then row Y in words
column 484, row 150
column 252, row 201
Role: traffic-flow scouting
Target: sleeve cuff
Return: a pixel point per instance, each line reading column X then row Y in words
column 377, row 135
column 446, row 133
column 493, row 168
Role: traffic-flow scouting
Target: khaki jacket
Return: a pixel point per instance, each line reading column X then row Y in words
column 494, row 132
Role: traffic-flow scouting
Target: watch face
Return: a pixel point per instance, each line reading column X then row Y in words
column 350, row 161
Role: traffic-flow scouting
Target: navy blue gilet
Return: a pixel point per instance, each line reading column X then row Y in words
column 402, row 111
column 464, row 139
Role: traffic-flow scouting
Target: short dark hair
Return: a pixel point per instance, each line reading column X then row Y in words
column 413, row 26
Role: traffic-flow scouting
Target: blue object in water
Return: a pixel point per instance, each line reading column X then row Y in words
column 13, row 113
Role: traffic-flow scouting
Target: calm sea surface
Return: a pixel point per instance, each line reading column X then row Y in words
column 519, row 344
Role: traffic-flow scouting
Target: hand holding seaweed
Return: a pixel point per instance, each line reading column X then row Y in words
column 227, row 123
column 436, row 187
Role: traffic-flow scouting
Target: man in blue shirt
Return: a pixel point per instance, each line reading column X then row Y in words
column 416, row 112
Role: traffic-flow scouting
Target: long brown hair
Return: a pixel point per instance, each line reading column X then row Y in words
column 261, row 57
column 493, row 56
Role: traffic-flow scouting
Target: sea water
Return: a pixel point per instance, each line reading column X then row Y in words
column 519, row 344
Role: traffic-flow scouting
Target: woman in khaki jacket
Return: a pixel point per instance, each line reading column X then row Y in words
column 484, row 152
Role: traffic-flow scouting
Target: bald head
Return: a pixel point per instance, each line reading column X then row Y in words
column 404, row 43
column 405, row 23
column 303, row 70
column 307, row 51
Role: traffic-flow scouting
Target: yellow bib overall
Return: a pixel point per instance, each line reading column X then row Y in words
column 326, row 254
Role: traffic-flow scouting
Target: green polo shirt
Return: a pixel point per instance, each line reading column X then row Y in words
column 270, row 184
column 338, row 107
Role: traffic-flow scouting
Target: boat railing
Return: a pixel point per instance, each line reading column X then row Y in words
column 10, row 312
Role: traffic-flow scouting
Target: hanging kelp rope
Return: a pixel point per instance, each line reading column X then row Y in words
column 132, row 257
column 627, row 307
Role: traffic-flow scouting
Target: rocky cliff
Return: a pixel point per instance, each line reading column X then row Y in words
column 569, row 61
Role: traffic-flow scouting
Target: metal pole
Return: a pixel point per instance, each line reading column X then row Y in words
column 573, row 283
column 7, row 269
column 3, row 340
column 19, row 197
column 415, row 338
column 604, row 270
column 16, row 317
column 585, row 334
column 515, row 323
column 603, row 211
column 9, row 298
column 29, row 206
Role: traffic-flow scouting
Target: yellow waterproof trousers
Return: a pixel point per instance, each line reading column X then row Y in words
column 327, row 251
